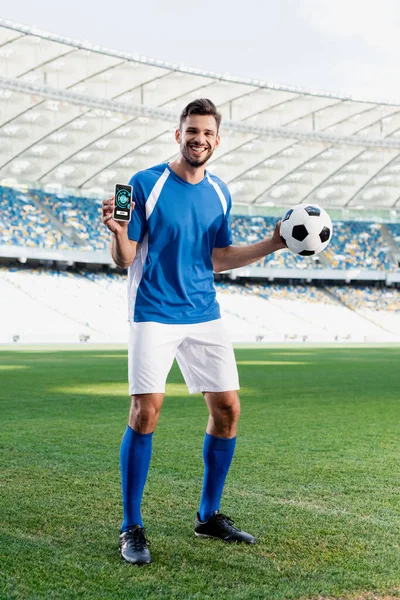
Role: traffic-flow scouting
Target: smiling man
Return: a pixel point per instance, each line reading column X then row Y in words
column 178, row 236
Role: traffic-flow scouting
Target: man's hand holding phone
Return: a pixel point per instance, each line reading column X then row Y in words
column 117, row 209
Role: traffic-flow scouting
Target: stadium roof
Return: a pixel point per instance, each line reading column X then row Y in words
column 78, row 116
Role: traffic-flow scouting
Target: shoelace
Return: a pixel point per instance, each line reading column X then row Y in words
column 225, row 520
column 138, row 538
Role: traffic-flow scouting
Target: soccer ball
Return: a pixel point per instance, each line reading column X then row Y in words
column 306, row 229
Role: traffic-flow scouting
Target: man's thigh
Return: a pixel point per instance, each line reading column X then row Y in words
column 151, row 352
column 207, row 360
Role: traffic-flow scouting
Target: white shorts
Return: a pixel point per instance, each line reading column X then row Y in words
column 203, row 351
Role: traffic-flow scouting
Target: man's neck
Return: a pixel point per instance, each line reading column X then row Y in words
column 185, row 171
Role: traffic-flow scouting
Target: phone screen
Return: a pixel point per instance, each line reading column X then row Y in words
column 123, row 201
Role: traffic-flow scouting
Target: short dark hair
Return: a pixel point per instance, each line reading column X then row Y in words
column 202, row 106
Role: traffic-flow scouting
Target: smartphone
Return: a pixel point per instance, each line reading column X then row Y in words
column 123, row 202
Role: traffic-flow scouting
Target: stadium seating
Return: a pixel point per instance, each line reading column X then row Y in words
column 81, row 214
column 22, row 223
column 307, row 313
column 63, row 306
column 48, row 305
column 378, row 305
column 354, row 244
column 358, row 244
column 248, row 230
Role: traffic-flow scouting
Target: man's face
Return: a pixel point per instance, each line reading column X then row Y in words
column 197, row 139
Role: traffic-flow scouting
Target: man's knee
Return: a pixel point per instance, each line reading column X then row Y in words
column 224, row 406
column 144, row 412
column 231, row 409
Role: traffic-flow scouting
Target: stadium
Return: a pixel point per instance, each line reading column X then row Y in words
column 75, row 119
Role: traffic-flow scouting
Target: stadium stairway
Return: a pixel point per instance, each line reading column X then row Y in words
column 327, row 258
column 393, row 247
column 347, row 304
column 243, row 326
column 68, row 232
column 323, row 258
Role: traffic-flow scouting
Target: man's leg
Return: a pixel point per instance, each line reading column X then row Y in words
column 135, row 461
column 219, row 447
column 207, row 362
column 136, row 454
column 151, row 351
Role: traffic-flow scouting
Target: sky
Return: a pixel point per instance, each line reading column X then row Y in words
column 347, row 46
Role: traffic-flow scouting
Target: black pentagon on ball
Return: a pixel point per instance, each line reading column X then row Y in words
column 324, row 235
column 299, row 232
column 307, row 252
column 313, row 211
column 289, row 212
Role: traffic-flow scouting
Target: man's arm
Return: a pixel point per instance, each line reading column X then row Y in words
column 123, row 250
column 233, row 257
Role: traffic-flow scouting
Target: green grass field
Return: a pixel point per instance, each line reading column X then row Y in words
column 315, row 478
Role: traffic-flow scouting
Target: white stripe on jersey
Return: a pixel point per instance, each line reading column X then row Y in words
column 155, row 193
column 135, row 273
column 219, row 192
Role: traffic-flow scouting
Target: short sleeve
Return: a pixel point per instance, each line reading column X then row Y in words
column 224, row 233
column 138, row 224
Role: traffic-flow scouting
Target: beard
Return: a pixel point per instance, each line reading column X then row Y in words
column 196, row 162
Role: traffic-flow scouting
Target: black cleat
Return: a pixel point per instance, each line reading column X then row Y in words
column 133, row 546
column 220, row 526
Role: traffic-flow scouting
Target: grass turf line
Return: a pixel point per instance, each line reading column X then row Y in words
column 315, row 477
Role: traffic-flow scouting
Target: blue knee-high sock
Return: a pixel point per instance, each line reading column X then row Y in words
column 135, row 461
column 217, row 454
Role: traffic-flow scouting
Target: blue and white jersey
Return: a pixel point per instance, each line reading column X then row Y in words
column 177, row 225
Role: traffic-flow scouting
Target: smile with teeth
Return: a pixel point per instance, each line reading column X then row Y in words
column 197, row 149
